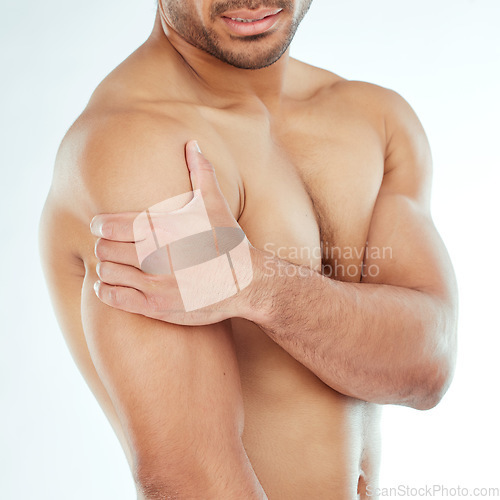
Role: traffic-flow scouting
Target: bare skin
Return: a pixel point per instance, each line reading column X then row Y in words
column 302, row 157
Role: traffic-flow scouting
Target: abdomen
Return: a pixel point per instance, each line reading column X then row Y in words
column 304, row 439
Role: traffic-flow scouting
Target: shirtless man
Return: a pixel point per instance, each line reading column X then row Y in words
column 277, row 392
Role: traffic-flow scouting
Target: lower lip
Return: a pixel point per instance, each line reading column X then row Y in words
column 253, row 28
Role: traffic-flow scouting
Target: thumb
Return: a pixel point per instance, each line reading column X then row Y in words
column 203, row 178
column 202, row 174
column 201, row 171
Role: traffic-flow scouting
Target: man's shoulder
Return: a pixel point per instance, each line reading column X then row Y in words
column 316, row 79
column 386, row 106
column 111, row 156
column 382, row 108
column 371, row 97
column 365, row 96
column 125, row 125
column 329, row 92
column 120, row 154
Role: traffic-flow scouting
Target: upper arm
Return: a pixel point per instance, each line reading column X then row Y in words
column 404, row 247
column 161, row 378
column 64, row 273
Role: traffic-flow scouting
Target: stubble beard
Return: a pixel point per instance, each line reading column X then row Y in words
column 248, row 56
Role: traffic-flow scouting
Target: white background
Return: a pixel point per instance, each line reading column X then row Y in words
column 441, row 55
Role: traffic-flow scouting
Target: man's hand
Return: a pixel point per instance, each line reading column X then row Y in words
column 184, row 260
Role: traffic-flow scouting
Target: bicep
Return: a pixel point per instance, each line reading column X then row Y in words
column 404, row 247
column 155, row 379
column 172, row 386
column 64, row 274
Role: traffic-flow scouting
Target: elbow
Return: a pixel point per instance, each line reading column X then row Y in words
column 150, row 487
column 156, row 481
column 433, row 383
column 195, row 480
column 165, row 470
column 165, row 479
column 195, row 471
column 434, row 375
column 436, row 388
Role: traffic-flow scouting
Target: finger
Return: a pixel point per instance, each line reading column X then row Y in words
column 121, row 275
column 202, row 174
column 124, row 226
column 119, row 297
column 117, row 251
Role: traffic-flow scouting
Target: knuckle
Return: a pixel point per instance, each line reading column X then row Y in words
column 206, row 165
column 153, row 279
column 114, row 295
column 123, row 229
column 142, row 228
column 154, row 303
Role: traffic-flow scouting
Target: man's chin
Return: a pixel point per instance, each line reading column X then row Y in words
column 252, row 65
column 244, row 60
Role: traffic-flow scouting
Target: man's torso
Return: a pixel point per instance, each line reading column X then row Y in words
column 297, row 178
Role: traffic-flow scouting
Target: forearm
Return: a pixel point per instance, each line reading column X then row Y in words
column 373, row 342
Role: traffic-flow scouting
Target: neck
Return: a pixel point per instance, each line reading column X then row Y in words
column 220, row 79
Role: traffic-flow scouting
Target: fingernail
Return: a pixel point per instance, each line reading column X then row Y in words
column 97, row 269
column 96, row 286
column 197, row 147
column 96, row 228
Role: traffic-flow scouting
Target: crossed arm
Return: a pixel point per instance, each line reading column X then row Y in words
column 390, row 339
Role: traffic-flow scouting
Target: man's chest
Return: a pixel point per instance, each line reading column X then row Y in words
column 309, row 192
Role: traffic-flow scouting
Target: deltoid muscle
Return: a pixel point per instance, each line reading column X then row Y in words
column 209, row 263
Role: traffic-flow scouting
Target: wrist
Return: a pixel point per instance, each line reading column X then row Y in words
column 257, row 299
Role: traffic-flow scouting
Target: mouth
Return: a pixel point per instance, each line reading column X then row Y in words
column 251, row 22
